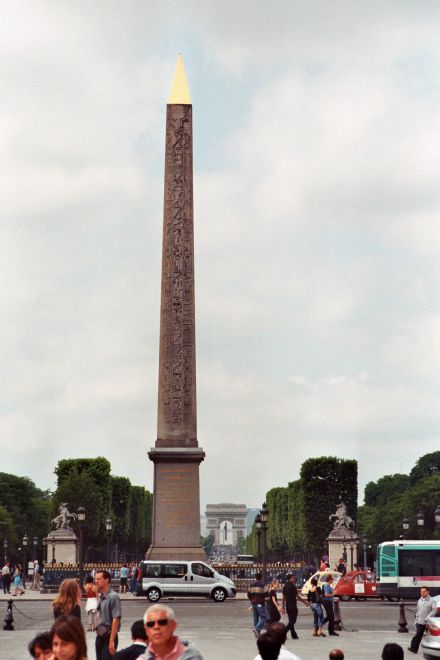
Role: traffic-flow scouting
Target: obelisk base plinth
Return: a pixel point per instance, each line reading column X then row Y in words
column 176, row 505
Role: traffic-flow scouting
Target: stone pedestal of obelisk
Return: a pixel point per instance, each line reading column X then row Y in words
column 177, row 456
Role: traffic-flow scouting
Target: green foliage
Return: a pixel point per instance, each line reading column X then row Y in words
column 377, row 493
column 426, row 466
column 207, row 542
column 277, row 504
column 295, row 532
column 325, row 482
column 88, row 482
column 24, row 509
column 393, row 496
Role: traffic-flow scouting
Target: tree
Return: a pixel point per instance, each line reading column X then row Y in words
column 377, row 493
column 325, row 482
column 426, row 466
column 277, row 503
column 26, row 506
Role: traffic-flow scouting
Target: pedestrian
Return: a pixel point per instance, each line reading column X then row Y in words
column 18, row 582
column 257, row 594
column 269, row 646
column 336, row 654
column 314, row 598
column 160, row 625
column 139, row 643
column 123, row 579
column 290, row 598
column 68, row 599
column 327, row 601
column 133, row 578
column 341, row 567
column 68, row 639
column 392, row 652
column 40, row 647
column 426, row 606
column 272, row 608
column 6, row 578
column 108, row 617
column 91, row 602
column 36, row 576
column 281, row 630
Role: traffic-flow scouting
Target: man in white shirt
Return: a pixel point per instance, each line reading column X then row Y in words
column 275, row 638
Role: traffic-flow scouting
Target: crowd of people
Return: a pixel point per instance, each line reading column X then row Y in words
column 13, row 577
column 154, row 637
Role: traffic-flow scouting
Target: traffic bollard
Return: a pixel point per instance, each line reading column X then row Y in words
column 403, row 624
column 338, row 617
column 9, row 618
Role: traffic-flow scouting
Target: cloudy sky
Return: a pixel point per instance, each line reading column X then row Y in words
column 317, row 234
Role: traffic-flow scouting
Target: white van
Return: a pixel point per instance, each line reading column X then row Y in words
column 183, row 578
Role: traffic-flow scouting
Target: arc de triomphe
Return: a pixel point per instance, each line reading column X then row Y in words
column 216, row 514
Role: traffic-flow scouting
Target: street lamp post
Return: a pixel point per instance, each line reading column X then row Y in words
column 258, row 525
column 405, row 526
column 420, row 523
column 108, row 526
column 35, row 544
column 344, row 553
column 437, row 521
column 5, row 548
column 53, row 550
column 81, row 513
column 364, row 543
column 264, row 515
column 351, row 556
column 25, row 542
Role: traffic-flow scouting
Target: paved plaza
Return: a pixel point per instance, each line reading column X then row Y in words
column 223, row 630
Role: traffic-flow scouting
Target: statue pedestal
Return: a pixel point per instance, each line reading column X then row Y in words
column 342, row 543
column 61, row 546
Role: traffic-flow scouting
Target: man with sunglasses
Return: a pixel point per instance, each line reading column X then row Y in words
column 160, row 624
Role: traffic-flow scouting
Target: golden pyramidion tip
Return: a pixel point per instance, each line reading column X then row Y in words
column 179, row 92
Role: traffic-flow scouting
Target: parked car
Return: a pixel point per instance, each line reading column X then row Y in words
column 183, row 578
column 321, row 576
column 431, row 641
column 359, row 585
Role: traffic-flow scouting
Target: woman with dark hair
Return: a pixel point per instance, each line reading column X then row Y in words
column 314, row 598
column 68, row 639
column 40, row 647
column 68, row 599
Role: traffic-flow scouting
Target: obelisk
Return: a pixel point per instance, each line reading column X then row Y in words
column 176, row 455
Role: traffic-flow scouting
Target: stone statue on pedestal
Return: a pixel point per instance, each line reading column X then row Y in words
column 342, row 520
column 61, row 521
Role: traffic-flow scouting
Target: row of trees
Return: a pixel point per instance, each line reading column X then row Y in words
column 394, row 496
column 87, row 482
column 299, row 512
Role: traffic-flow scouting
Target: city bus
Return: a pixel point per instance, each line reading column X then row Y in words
column 402, row 567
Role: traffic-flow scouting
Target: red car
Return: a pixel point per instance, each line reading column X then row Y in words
column 359, row 585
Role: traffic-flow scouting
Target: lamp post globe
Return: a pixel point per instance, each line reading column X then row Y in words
column 420, row 523
column 405, row 525
column 437, row 521
column 108, row 526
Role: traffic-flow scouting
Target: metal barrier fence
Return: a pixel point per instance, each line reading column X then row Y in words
column 241, row 574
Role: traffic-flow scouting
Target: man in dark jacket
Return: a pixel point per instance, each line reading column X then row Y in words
column 290, row 598
column 139, row 645
column 257, row 594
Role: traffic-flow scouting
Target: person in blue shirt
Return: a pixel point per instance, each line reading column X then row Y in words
column 327, row 601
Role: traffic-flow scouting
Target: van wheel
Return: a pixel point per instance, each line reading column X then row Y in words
column 345, row 598
column 362, row 598
column 219, row 595
column 154, row 594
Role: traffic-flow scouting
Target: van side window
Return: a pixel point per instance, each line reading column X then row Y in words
column 201, row 569
column 174, row 570
column 151, row 570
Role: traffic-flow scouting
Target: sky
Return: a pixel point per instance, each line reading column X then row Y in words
column 317, row 234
